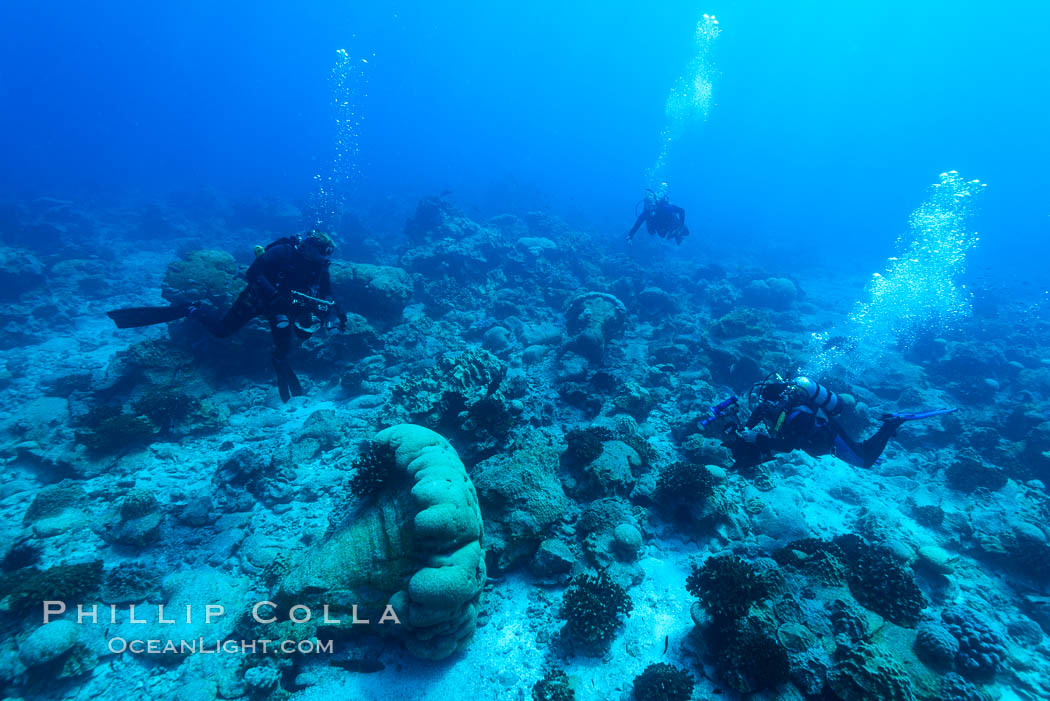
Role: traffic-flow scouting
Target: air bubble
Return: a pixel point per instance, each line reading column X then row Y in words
column 690, row 98
column 918, row 292
column 348, row 83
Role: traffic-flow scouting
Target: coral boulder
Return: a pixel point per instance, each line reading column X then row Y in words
column 413, row 549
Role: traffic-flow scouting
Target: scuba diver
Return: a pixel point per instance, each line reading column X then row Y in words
column 288, row 283
column 660, row 217
column 799, row 415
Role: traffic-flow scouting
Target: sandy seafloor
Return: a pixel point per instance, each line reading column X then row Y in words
column 676, row 349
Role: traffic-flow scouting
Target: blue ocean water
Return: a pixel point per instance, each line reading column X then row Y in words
column 485, row 414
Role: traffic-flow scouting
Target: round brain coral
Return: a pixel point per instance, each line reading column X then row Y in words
column 415, row 548
column 982, row 652
column 935, row 645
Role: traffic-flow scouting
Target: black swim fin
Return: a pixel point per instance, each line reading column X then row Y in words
column 918, row 415
column 287, row 383
column 135, row 317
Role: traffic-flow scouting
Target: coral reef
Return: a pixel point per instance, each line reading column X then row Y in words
column 981, row 652
column 149, row 363
column 54, row 499
column 663, row 682
column 20, row 272
column 372, row 470
column 262, row 679
column 936, row 645
column 193, row 587
column 165, row 407
column 416, row 549
column 461, row 394
column 448, row 244
column 247, row 471
column 554, row 686
column 24, row 589
column 20, row 554
column 773, row 293
column 594, row 320
column 206, row 275
column 956, row 688
column 108, row 429
column 129, row 583
column 701, row 450
column 681, row 480
column 880, row 583
column 823, row 561
column 585, row 445
column 553, row 562
column 739, row 323
column 969, row 473
column 378, row 293
column 522, row 500
column 591, row 608
column 139, row 519
column 611, row 533
column 861, row 673
column 557, row 479
column 48, row 643
column 321, row 431
column 614, row 470
column 683, row 490
column 727, row 586
column 848, row 624
column 749, row 657
column 436, row 218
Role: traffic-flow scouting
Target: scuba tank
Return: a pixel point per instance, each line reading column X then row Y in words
column 293, row 240
column 792, row 396
column 818, row 396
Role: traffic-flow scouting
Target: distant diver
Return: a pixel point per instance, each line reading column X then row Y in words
column 288, row 283
column 660, row 217
column 799, row 415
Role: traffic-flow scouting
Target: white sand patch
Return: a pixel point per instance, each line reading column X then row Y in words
column 502, row 662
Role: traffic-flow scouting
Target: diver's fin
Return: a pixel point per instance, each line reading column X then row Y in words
column 918, row 415
column 134, row 317
column 280, row 365
column 287, row 383
column 293, row 384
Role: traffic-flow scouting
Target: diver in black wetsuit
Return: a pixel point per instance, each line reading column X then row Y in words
column 296, row 264
column 661, row 218
column 799, row 415
column 288, row 283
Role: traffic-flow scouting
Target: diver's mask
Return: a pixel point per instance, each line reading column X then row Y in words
column 774, row 389
column 317, row 247
column 316, row 252
column 655, row 197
